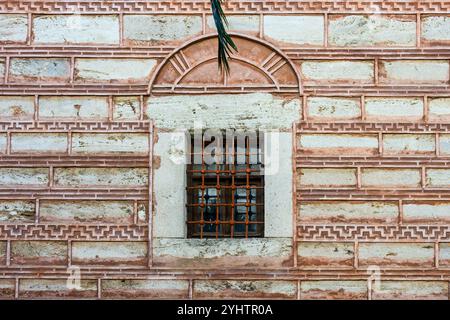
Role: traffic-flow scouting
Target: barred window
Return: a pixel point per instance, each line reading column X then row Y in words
column 225, row 186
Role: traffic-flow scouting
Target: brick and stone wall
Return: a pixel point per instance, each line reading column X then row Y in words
column 93, row 92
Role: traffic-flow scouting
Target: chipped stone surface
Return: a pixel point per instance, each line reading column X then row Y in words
column 392, row 109
column 87, row 211
column 3, row 143
column 157, row 29
column 439, row 109
column 333, row 289
column 436, row 30
column 7, row 288
column 327, row 177
column 309, row 30
column 12, row 211
column 73, row 107
column 396, row 255
column 56, row 288
column 38, row 252
column 13, row 28
column 109, row 177
column 110, row 143
column 372, row 30
column 325, row 255
column 47, row 143
column 409, row 144
column 239, row 23
column 444, row 144
column 255, row 110
column 438, row 178
column 427, row 212
column 411, row 290
column 414, row 71
column 2, row 253
column 390, row 178
column 76, row 29
column 145, row 289
column 362, row 144
column 114, row 70
column 348, row 72
column 39, row 69
column 211, row 253
column 23, row 177
column 348, row 212
column 126, row 108
column 16, row 107
column 109, row 253
column 241, row 289
column 444, row 254
column 333, row 108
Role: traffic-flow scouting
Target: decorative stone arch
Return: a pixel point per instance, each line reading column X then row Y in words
column 257, row 67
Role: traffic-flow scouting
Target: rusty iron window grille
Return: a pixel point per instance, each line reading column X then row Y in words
column 225, row 197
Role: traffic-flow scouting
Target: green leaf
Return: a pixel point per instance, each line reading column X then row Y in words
column 226, row 45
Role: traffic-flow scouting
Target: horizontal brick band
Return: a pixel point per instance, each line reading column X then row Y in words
column 72, row 232
column 372, row 233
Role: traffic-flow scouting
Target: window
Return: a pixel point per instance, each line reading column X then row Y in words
column 225, row 186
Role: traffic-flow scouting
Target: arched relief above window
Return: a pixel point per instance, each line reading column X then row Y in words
column 257, row 66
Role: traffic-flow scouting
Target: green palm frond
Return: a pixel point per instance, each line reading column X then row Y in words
column 226, row 44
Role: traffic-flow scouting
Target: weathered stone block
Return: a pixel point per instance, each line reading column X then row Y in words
column 439, row 109
column 3, row 143
column 2, row 69
column 13, row 28
column 409, row 144
column 241, row 111
column 16, row 107
column 145, row 289
column 438, row 178
column 361, row 212
column 39, row 69
column 411, row 290
column 23, row 177
column 444, row 254
column 109, row 253
column 104, row 177
column 295, row 29
column 326, row 177
column 160, row 29
column 435, row 30
column 17, row 211
column 7, row 288
column 414, row 71
column 325, row 255
column 392, row 109
column 337, row 72
column 56, row 288
column 330, row 144
column 241, row 289
column 2, row 252
column 87, row 211
column 333, row 289
column 110, row 143
column 76, row 29
column 238, row 23
column 39, row 143
column 393, row 255
column 444, row 144
column 371, row 30
column 73, row 108
column 390, row 178
column 333, row 108
column 427, row 212
column 114, row 70
column 38, row 253
column 211, row 253
column 126, row 108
